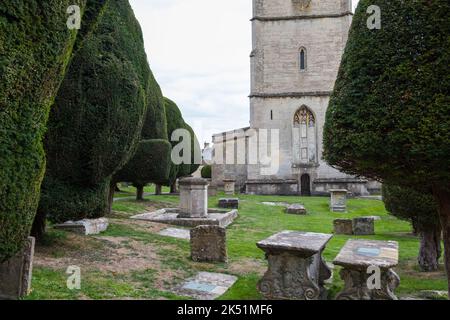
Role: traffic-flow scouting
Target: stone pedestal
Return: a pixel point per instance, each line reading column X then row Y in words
column 85, row 227
column 356, row 257
column 338, row 200
column 229, row 203
column 229, row 186
column 208, row 244
column 364, row 226
column 343, row 226
column 193, row 198
column 296, row 209
column 16, row 273
column 296, row 268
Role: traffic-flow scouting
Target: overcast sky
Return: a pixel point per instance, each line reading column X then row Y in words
column 199, row 52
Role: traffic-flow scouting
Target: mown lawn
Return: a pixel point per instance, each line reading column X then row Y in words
column 171, row 256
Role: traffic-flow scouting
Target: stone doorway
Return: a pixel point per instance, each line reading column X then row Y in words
column 305, row 185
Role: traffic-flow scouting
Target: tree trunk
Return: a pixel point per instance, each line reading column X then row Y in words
column 173, row 187
column 38, row 228
column 442, row 197
column 430, row 250
column 139, row 192
column 111, row 196
column 158, row 189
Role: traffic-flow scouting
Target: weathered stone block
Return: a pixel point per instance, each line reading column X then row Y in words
column 343, row 226
column 296, row 209
column 193, row 198
column 229, row 203
column 16, row 273
column 85, row 227
column 338, row 200
column 229, row 186
column 363, row 226
column 208, row 244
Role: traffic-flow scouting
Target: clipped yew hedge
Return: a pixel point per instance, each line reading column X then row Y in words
column 95, row 124
column 36, row 47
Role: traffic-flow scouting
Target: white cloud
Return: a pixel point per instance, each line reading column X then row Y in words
column 199, row 52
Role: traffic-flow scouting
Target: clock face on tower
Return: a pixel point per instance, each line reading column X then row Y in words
column 302, row 3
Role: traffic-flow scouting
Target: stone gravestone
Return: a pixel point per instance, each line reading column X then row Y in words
column 296, row 267
column 229, row 203
column 363, row 226
column 229, row 186
column 212, row 191
column 193, row 198
column 338, row 201
column 16, row 273
column 208, row 244
column 357, row 258
column 296, row 209
column 343, row 226
column 85, row 227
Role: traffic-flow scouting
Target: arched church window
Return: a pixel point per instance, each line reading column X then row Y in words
column 304, row 136
column 302, row 57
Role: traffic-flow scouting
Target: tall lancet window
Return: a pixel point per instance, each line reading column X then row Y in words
column 302, row 59
column 304, row 137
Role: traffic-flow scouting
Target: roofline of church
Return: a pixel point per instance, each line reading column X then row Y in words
column 291, row 94
column 317, row 16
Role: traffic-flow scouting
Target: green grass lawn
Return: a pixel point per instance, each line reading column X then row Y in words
column 256, row 222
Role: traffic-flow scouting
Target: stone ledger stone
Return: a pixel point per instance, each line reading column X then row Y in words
column 363, row 226
column 229, row 203
column 343, row 226
column 84, row 227
column 296, row 268
column 208, row 244
column 16, row 273
column 296, row 209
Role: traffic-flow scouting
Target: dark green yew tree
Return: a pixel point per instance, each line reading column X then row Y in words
column 95, row 124
column 389, row 115
column 420, row 209
column 35, row 49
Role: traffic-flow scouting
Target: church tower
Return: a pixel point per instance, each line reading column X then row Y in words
column 297, row 50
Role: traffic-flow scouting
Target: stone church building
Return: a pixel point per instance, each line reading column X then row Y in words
column 297, row 49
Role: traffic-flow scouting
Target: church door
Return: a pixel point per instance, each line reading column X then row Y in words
column 305, row 185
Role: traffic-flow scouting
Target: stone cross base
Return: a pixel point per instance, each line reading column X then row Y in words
column 16, row 273
column 356, row 285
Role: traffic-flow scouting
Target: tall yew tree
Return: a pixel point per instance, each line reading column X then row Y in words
column 389, row 115
column 96, row 121
column 35, row 49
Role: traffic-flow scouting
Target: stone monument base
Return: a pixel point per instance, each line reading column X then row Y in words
column 172, row 216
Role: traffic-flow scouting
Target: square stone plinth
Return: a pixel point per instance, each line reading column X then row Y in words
column 16, row 273
column 343, row 226
column 209, row 244
column 296, row 267
column 229, row 203
column 296, row 209
column 172, row 216
column 356, row 257
column 338, row 200
column 363, row 226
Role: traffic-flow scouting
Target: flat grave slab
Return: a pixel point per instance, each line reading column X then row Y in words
column 276, row 204
column 298, row 209
column 206, row 286
column 85, row 227
column 176, row 233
